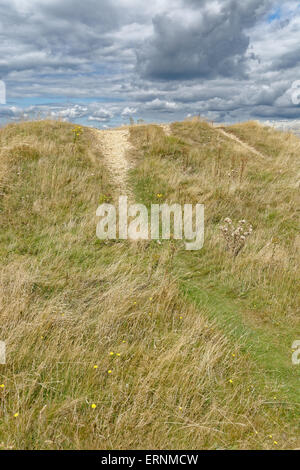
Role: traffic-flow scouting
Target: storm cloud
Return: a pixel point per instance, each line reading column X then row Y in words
column 209, row 43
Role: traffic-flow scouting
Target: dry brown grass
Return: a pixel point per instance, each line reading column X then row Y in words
column 260, row 286
column 68, row 300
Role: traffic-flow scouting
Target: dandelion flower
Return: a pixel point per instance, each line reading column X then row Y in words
column 118, row 354
column 93, row 406
column 111, row 353
column 275, row 443
column 2, row 385
column 109, row 371
column 16, row 415
column 231, row 381
column 95, row 366
column 123, row 341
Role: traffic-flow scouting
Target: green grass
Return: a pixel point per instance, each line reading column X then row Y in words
column 254, row 303
column 201, row 351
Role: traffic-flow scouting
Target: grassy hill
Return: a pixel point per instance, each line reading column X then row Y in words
column 143, row 345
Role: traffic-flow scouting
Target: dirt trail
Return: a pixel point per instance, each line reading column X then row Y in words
column 243, row 144
column 114, row 145
column 166, row 128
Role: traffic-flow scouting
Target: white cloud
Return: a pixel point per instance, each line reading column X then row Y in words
column 129, row 111
column 161, row 105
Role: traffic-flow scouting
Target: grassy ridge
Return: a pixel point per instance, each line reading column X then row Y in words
column 118, row 344
column 254, row 297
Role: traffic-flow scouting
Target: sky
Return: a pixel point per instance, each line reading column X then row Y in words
column 102, row 62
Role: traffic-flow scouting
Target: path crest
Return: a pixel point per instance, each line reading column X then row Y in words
column 239, row 141
column 167, row 130
column 114, row 145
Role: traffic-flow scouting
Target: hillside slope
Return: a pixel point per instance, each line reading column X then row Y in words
column 139, row 345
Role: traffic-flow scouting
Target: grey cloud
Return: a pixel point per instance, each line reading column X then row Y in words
column 104, row 14
column 288, row 60
column 55, row 35
column 214, row 44
column 277, row 112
